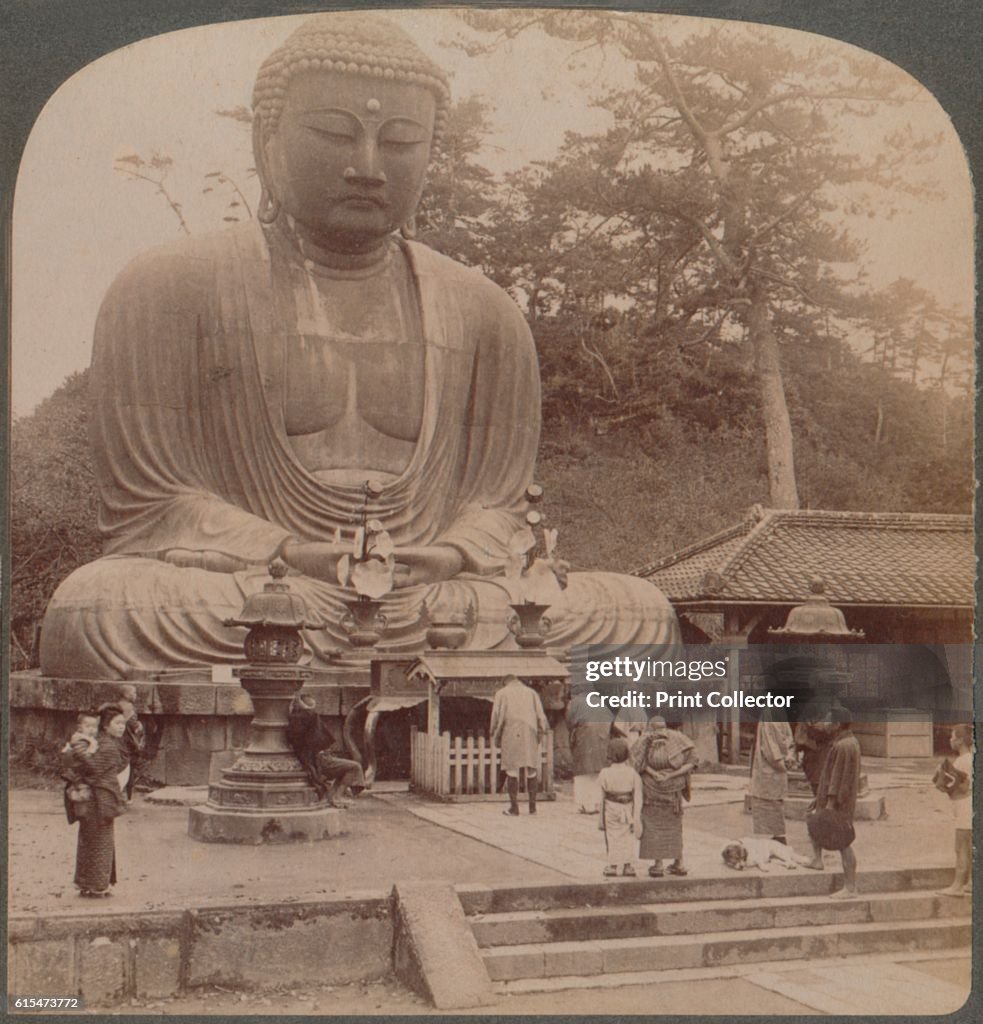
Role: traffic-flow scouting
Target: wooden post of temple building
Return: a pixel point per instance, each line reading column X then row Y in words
column 735, row 636
column 433, row 708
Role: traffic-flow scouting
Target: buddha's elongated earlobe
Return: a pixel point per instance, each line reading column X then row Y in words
column 408, row 229
column 269, row 207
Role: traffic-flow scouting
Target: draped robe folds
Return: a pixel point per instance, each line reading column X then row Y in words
column 589, row 730
column 191, row 455
column 621, row 822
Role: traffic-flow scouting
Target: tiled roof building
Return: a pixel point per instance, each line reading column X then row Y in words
column 901, row 573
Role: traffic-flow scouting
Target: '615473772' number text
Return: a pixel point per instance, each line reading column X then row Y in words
column 44, row 1003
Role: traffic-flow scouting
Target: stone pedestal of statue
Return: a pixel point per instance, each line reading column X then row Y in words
column 799, row 798
column 265, row 797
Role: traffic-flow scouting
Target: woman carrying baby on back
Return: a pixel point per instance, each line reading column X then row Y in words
column 95, row 771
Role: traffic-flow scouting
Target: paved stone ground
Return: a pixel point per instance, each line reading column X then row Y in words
column 860, row 988
column 161, row 867
column 917, row 831
column 395, row 835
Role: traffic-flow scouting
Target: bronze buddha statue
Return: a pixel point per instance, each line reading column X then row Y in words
column 246, row 384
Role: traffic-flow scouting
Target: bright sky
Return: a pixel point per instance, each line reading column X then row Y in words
column 77, row 221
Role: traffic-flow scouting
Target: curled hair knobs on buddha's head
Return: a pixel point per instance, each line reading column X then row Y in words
column 350, row 44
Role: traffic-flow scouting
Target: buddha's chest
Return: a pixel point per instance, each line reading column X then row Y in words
column 354, row 355
column 330, row 380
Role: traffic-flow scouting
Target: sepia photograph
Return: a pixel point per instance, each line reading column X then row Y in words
column 490, row 524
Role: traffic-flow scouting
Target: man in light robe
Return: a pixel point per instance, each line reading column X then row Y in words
column 773, row 756
column 248, row 386
column 518, row 725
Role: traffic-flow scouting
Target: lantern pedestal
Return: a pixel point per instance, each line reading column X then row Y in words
column 265, row 797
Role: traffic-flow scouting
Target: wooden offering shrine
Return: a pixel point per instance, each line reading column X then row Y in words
column 467, row 768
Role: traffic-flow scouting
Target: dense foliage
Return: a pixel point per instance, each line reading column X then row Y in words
column 53, row 508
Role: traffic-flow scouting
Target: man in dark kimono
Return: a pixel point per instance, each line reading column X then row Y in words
column 314, row 744
column 839, row 785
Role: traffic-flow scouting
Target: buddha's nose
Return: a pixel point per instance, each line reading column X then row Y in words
column 367, row 171
column 372, row 178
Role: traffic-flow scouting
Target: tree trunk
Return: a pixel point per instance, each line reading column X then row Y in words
column 778, row 427
column 879, row 427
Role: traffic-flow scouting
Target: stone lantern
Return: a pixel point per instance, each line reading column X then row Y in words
column 814, row 682
column 266, row 796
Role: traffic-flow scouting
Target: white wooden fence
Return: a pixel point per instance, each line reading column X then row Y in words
column 469, row 767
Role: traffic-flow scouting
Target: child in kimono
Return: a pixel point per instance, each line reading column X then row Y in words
column 621, row 810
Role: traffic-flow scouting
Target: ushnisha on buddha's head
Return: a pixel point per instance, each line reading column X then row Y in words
column 346, row 114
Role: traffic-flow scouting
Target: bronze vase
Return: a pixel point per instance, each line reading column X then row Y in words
column 529, row 625
column 364, row 622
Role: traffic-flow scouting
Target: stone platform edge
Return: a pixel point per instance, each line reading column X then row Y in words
column 186, row 696
column 870, row 807
column 108, row 957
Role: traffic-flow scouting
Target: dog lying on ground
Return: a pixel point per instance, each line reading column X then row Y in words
column 760, row 852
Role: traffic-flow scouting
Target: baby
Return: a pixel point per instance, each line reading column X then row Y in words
column 83, row 741
column 759, row 852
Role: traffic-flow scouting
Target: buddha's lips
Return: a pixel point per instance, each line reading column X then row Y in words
column 359, row 199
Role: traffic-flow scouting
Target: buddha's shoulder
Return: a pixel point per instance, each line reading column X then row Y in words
column 185, row 263
column 477, row 297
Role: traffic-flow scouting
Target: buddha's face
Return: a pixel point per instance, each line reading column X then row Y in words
column 349, row 156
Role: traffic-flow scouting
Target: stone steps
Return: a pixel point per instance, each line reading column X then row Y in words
column 483, row 899
column 527, row 927
column 866, row 962
column 665, row 952
column 562, row 934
